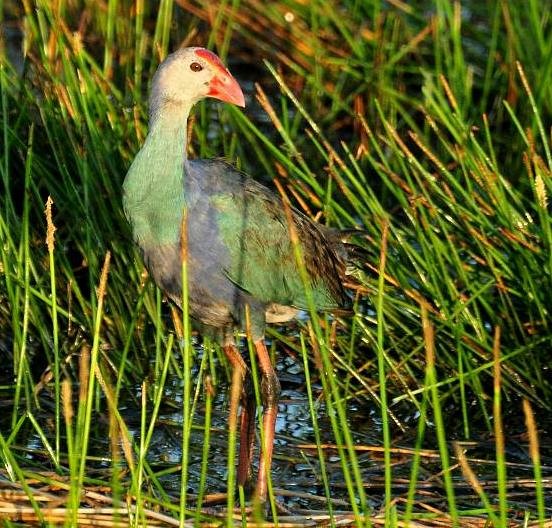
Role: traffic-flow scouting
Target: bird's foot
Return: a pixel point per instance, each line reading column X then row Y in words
column 254, row 508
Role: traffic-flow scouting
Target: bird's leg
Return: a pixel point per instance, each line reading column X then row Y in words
column 247, row 433
column 270, row 392
column 247, row 418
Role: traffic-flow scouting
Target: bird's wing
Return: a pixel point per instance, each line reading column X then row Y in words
column 253, row 225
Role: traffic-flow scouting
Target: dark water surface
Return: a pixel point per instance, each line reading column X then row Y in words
column 296, row 469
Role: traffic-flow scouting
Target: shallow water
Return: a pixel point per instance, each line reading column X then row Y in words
column 296, row 469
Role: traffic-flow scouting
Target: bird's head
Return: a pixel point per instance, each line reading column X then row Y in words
column 190, row 74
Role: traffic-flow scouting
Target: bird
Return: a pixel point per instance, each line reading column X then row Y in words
column 237, row 237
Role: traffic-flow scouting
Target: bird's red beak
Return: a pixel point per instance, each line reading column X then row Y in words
column 222, row 86
column 225, row 88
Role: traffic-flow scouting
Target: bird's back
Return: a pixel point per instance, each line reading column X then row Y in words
column 249, row 223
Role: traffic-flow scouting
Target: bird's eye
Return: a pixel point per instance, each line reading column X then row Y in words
column 196, row 67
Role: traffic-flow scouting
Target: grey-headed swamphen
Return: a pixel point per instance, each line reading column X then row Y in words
column 237, row 239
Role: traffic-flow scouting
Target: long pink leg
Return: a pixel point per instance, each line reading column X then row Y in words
column 247, row 417
column 270, row 392
column 247, row 435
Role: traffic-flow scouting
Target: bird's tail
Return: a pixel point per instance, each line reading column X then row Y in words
column 349, row 246
column 352, row 248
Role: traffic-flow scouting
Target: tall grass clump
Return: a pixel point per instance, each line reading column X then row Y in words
column 424, row 130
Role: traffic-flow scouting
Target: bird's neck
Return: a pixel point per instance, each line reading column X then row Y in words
column 154, row 189
column 159, row 166
column 167, row 136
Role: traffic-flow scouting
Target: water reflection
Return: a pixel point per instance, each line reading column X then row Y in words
column 296, row 470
